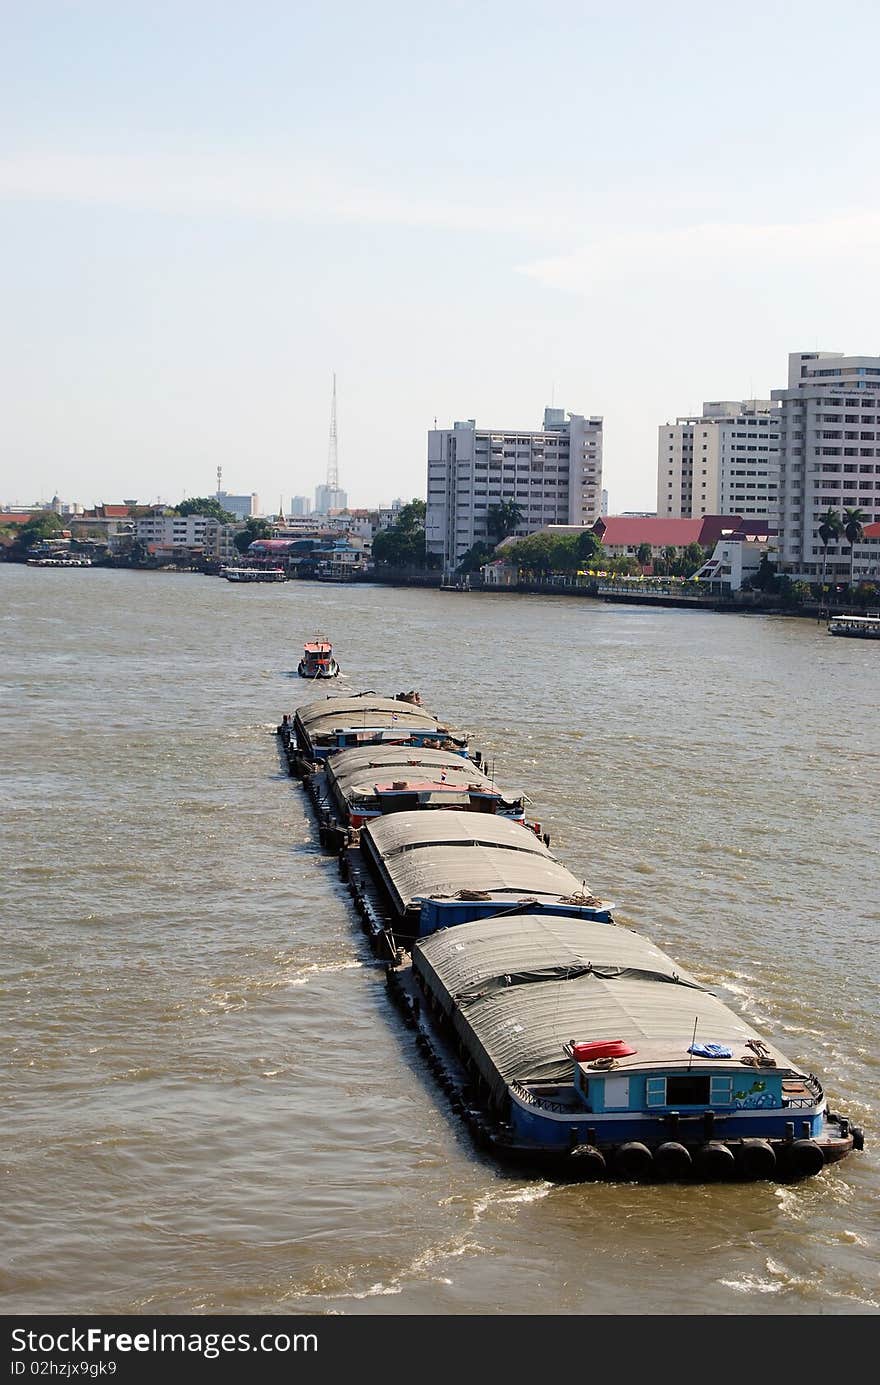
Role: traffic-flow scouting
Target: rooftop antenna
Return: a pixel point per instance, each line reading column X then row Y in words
column 219, row 481
column 333, row 450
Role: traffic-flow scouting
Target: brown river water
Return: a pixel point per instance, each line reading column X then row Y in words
column 209, row 1104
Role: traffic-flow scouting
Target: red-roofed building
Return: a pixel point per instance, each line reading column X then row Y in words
column 623, row 535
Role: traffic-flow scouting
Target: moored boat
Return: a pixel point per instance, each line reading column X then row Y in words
column 254, row 574
column 855, row 627
column 317, row 660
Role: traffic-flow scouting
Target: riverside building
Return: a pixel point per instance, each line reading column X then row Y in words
column 724, row 461
column 555, row 476
column 829, row 459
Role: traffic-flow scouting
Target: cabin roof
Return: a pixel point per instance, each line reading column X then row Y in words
column 520, row 987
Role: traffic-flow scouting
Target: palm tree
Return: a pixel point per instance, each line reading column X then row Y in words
column 830, row 527
column 503, row 519
column 644, row 554
column 853, row 521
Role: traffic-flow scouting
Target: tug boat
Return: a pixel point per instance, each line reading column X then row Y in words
column 317, row 660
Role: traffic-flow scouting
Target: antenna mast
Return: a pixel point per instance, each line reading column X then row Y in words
column 333, row 452
column 219, row 480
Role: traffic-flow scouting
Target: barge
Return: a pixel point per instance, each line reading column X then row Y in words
column 569, row 1044
column 523, row 999
column 320, row 729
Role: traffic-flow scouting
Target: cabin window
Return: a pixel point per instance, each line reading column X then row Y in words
column 721, row 1091
column 616, row 1093
column 655, row 1090
column 688, row 1089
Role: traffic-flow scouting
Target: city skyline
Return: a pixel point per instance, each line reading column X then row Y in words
column 477, row 216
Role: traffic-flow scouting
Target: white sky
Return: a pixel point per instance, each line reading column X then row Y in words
column 465, row 210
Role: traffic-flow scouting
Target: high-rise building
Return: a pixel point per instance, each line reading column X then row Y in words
column 829, row 459
column 724, row 461
column 554, row 476
column 300, row 505
column 329, row 498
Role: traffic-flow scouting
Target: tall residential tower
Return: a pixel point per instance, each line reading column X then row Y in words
column 724, row 461
column 829, row 458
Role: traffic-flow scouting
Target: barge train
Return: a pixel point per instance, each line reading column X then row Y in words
column 569, row 1043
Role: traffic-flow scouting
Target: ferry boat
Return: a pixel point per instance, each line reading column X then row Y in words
column 59, row 562
column 254, row 574
column 317, row 660
column 857, row 627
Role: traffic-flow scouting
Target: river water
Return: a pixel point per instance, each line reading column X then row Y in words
column 210, row 1105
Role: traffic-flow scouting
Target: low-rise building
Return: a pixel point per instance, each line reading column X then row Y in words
column 735, row 558
column 219, row 541
column 172, row 531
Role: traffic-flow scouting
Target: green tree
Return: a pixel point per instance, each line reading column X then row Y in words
column 830, row 527
column 208, row 506
column 693, row 558
column 45, row 526
column 254, row 529
column 478, row 554
column 403, row 544
column 765, row 579
column 588, row 547
column 644, row 554
column 502, row 520
column 534, row 554
column 852, row 525
column 670, row 553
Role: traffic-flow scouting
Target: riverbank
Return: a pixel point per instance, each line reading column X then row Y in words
column 757, row 603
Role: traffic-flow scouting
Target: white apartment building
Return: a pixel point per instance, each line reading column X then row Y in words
column 300, row 505
column 829, row 459
column 174, row 531
column 723, row 462
column 554, row 475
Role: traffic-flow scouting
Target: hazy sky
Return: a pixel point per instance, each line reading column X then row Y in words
column 465, row 210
